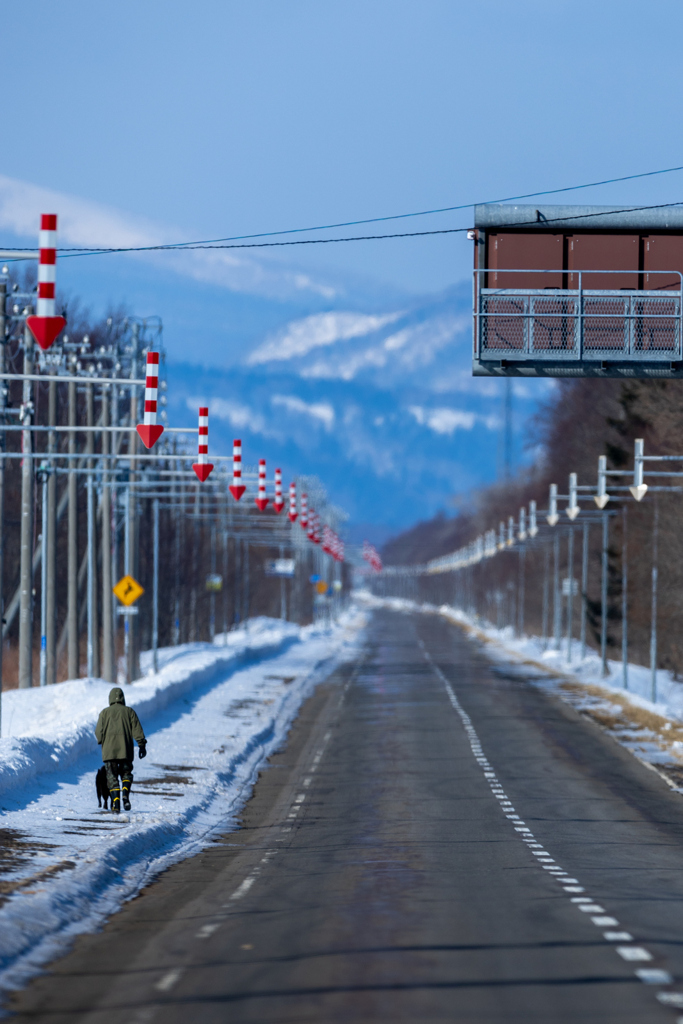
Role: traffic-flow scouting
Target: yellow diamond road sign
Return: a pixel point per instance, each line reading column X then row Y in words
column 128, row 590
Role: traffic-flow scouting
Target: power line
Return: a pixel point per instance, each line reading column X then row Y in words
column 356, row 238
column 226, row 243
column 425, row 213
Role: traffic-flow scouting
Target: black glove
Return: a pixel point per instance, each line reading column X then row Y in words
column 142, row 752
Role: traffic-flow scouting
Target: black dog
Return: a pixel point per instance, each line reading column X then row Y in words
column 102, row 787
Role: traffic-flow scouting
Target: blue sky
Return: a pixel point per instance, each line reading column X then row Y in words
column 141, row 123
column 223, row 118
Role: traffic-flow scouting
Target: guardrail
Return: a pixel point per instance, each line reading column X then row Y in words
column 578, row 328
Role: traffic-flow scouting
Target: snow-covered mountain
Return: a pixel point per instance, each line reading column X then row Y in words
column 382, row 406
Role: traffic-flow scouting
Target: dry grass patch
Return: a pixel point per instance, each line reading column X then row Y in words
column 663, row 730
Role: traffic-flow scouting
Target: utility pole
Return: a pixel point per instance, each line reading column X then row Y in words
column 93, row 617
column 212, row 597
column 72, row 552
column 603, row 593
column 653, row 621
column 127, row 569
column 584, row 589
column 92, row 624
column 624, row 596
column 155, row 587
column 26, row 542
column 44, row 475
column 570, row 595
column 225, row 585
column 557, row 597
column 3, row 394
column 131, row 522
column 51, row 545
column 107, row 583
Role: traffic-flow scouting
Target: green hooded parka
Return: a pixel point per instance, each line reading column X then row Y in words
column 117, row 727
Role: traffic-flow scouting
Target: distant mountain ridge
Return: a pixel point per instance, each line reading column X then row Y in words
column 382, row 406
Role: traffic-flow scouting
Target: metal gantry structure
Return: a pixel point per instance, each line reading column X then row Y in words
column 542, row 529
column 81, row 412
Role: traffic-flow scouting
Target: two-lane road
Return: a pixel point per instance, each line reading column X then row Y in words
column 439, row 841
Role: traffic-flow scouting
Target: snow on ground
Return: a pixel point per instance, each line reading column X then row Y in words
column 646, row 726
column 212, row 715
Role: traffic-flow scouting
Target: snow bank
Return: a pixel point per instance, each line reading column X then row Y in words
column 212, row 715
column 46, row 728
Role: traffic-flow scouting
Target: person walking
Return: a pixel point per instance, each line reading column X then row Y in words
column 117, row 727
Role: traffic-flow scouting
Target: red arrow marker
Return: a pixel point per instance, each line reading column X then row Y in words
column 203, row 470
column 278, row 504
column 45, row 329
column 261, row 501
column 203, row 467
column 237, row 488
column 149, row 430
column 149, row 433
column 45, row 326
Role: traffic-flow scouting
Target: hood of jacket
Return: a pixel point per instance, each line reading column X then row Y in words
column 116, row 696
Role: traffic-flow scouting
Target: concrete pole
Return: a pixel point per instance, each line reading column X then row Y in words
column 624, row 596
column 107, row 582
column 179, row 520
column 72, row 552
column 195, row 559
column 225, row 586
column 115, row 546
column 212, row 595
column 238, row 576
column 603, row 593
column 570, row 595
column 93, row 631
column 51, row 545
column 584, row 589
column 245, row 607
column 155, row 587
column 546, row 595
column 653, row 619
column 520, row 591
column 26, row 543
column 133, row 661
column 3, row 398
column 557, row 596
column 45, row 476
column 127, row 559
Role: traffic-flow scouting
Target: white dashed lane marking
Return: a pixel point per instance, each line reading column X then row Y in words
column 168, row 980
column 630, row 953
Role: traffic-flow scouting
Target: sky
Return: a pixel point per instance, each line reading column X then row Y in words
column 225, row 118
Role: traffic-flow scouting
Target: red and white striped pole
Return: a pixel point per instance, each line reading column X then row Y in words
column 311, row 524
column 149, row 430
column 45, row 326
column 261, row 501
column 237, row 488
column 278, row 504
column 303, row 518
column 202, row 466
column 292, row 502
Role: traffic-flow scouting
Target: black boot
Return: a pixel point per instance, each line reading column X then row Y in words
column 115, row 800
column 125, row 788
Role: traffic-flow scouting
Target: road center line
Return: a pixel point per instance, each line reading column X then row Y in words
column 649, row 976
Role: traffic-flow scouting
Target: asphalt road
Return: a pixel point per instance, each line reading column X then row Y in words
column 439, row 841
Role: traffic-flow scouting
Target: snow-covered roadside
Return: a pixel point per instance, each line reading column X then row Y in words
column 212, row 715
column 652, row 730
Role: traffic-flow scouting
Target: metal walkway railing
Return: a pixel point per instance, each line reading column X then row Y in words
column 579, row 329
